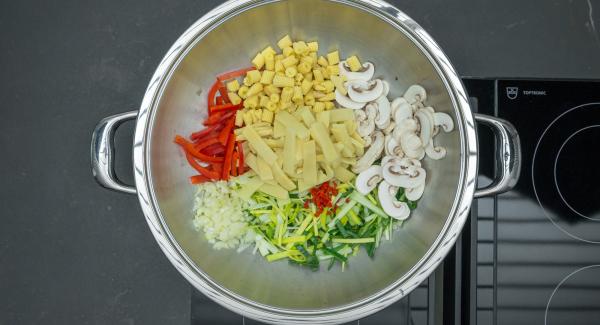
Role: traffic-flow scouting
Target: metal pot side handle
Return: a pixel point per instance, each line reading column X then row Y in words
column 103, row 152
column 508, row 156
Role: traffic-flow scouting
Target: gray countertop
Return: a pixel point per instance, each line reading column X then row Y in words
column 73, row 253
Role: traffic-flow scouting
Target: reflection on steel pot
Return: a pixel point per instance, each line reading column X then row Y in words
column 225, row 39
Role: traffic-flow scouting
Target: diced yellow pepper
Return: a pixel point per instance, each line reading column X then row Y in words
column 255, row 89
column 333, row 58
column 318, row 107
column 313, row 46
column 286, row 94
column 304, row 67
column 322, row 61
column 333, row 70
column 264, row 100
column 291, row 72
column 267, row 77
column 290, row 61
column 270, row 90
column 353, row 63
column 300, row 47
column 258, row 61
column 318, row 76
column 285, row 42
column 283, row 81
column 233, row 85
column 234, row 98
column 267, row 116
column 328, row 97
column 253, row 75
column 306, row 86
column 269, row 62
column 251, row 102
column 243, row 92
column 268, row 50
column 287, row 51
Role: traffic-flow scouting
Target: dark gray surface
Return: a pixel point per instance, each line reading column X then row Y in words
column 73, row 253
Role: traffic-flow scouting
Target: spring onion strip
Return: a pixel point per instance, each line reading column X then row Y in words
column 368, row 204
column 342, row 213
column 353, row 240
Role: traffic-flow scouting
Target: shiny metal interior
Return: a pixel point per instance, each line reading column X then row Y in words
column 181, row 107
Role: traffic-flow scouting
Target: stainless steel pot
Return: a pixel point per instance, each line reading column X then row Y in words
column 225, row 39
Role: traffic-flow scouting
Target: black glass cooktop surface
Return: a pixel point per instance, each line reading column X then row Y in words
column 531, row 255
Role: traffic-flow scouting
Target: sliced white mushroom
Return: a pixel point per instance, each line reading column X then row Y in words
column 426, row 131
column 346, row 102
column 415, row 193
column 408, row 125
column 366, row 121
column 412, row 146
column 435, row 153
column 402, row 109
column 444, row 120
column 415, row 94
column 398, row 175
column 392, row 147
column 389, row 128
column 383, row 118
column 364, row 74
column 365, row 91
column 385, row 159
column 368, row 140
column 372, row 154
column 368, row 179
column 392, row 207
column 386, row 88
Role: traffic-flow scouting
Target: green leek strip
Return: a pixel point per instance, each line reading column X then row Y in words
column 335, row 254
column 315, row 226
column 353, row 240
column 371, row 198
column 354, row 219
column 342, row 213
column 294, row 254
column 303, row 225
column 325, row 238
column 293, row 239
column 365, row 202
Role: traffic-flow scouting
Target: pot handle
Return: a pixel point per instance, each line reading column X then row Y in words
column 103, row 152
column 508, row 155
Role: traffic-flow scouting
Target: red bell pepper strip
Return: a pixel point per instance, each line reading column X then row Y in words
column 197, row 179
column 240, row 151
column 213, row 150
column 224, row 95
column 227, row 131
column 234, row 74
column 234, row 161
column 205, row 132
column 225, row 107
column 205, row 143
column 212, row 92
column 219, row 99
column 228, row 157
column 202, row 170
column 218, row 117
column 189, row 148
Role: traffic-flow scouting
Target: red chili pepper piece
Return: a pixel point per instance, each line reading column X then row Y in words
column 197, row 179
column 233, row 74
column 189, row 148
column 228, row 157
column 226, row 107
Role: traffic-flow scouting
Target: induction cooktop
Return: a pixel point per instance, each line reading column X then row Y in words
column 528, row 256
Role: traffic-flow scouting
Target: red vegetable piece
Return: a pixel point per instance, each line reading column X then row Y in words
column 212, row 92
column 228, row 157
column 197, row 179
column 189, row 148
column 234, row 161
column 202, row 170
column 227, row 131
column 205, row 143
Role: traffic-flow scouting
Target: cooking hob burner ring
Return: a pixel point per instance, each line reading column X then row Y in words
column 575, row 298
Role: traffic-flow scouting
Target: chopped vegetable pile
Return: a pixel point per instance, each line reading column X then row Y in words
column 305, row 158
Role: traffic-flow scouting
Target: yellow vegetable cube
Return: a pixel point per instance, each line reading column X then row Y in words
column 300, row 48
column 313, row 46
column 333, row 70
column 258, row 61
column 243, row 92
column 318, row 76
column 285, row 42
column 255, row 89
column 234, row 98
column 333, row 58
column 268, row 51
column 264, row 100
column 308, row 76
column 322, row 61
column 267, row 116
column 318, row 107
column 253, row 75
column 308, row 60
column 251, row 102
column 290, row 61
column 297, row 96
column 299, row 77
column 287, row 51
column 233, row 85
column 267, row 77
column 339, row 84
column 291, row 72
column 269, row 62
column 329, row 106
column 304, row 67
column 283, row 81
column 270, row 90
column 309, row 99
column 306, row 86
column 274, row 98
column 279, row 66
column 353, row 63
column 248, row 118
column 271, row 106
column 325, row 73
column 239, row 118
column 328, row 86
column 286, row 94
column 247, row 81
column 328, row 97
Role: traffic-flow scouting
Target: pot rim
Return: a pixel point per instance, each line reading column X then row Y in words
column 345, row 313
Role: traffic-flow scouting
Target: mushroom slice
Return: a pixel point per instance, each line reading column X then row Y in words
column 415, row 94
column 366, row 127
column 435, row 153
column 367, row 180
column 364, row 74
column 408, row 125
column 372, row 154
column 389, row 128
column 426, row 132
column 382, row 119
column 368, row 140
column 396, row 175
column 365, row 91
column 346, row 102
column 385, row 159
column 392, row 147
column 444, row 120
column 401, row 109
column 386, row 88
column 415, row 193
column 387, row 197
